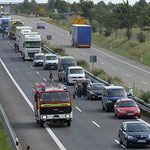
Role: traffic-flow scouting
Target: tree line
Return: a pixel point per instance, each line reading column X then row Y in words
column 104, row 18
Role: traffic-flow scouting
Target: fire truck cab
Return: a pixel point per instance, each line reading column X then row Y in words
column 52, row 104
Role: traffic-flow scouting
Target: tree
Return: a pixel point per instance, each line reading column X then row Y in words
column 125, row 16
column 141, row 3
column 51, row 4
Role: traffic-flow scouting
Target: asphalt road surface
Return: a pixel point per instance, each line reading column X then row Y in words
column 91, row 127
column 131, row 72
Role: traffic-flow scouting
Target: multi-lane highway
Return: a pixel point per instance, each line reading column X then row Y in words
column 91, row 128
column 115, row 65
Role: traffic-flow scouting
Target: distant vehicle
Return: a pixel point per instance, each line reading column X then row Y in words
column 40, row 24
column 72, row 74
column 94, row 91
column 52, row 104
column 50, row 61
column 126, row 108
column 110, row 95
column 30, row 44
column 38, row 59
column 134, row 133
column 81, row 35
column 75, row 85
column 4, row 24
column 63, row 63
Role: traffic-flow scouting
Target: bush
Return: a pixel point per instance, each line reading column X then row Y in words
column 98, row 72
column 60, row 51
column 145, row 96
column 141, row 37
column 82, row 63
column 107, row 32
column 94, row 25
column 110, row 80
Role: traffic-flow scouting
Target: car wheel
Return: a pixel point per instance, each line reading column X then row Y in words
column 69, row 123
column 37, row 121
column 126, row 144
column 115, row 114
column 120, row 142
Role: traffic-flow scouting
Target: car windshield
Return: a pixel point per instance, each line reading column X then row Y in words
column 116, row 93
column 58, row 96
column 97, row 87
column 39, row 57
column 137, row 127
column 68, row 61
column 127, row 104
column 51, row 58
column 76, row 71
column 64, row 66
column 33, row 44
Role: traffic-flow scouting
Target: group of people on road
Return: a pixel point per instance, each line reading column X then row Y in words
column 82, row 88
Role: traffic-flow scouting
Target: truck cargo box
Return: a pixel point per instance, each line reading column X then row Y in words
column 81, row 35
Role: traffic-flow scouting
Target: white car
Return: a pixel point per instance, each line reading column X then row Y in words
column 74, row 73
column 38, row 59
column 50, row 61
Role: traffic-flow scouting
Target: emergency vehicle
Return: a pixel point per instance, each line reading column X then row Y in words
column 52, row 104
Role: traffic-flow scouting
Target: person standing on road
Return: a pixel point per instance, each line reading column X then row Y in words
column 51, row 77
column 28, row 148
column 79, row 87
column 3, row 33
column 84, row 88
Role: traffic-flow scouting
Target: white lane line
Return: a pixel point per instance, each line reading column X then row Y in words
column 51, row 133
column 121, row 60
column 13, row 48
column 26, row 61
column 96, row 124
column 31, row 67
column 128, row 75
column 115, row 68
column 144, row 82
column 37, row 72
column 78, row 109
column 44, row 79
column 102, row 63
column 8, row 41
column 10, row 44
column 117, row 141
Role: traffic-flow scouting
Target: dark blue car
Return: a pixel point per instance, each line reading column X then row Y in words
column 134, row 133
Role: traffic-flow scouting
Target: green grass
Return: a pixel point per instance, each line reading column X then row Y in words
column 4, row 140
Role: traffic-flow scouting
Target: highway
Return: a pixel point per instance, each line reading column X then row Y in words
column 115, row 65
column 91, row 128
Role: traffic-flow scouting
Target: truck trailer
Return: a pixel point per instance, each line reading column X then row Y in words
column 29, row 44
column 81, row 35
column 21, row 30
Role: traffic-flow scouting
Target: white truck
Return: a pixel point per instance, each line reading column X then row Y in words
column 21, row 30
column 30, row 44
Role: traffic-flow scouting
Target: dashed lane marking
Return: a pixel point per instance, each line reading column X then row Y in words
column 31, row 67
column 102, row 63
column 96, row 124
column 78, row 109
column 128, row 75
column 144, row 82
column 44, row 79
column 37, row 72
column 115, row 68
column 119, row 143
column 51, row 133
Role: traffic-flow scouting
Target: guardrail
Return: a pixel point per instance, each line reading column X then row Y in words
column 143, row 105
column 11, row 134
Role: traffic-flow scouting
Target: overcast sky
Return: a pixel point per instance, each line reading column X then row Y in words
column 95, row 1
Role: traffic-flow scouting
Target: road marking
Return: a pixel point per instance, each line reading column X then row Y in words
column 26, row 61
column 115, row 68
column 102, row 63
column 44, row 79
column 79, row 109
column 128, row 75
column 13, row 48
column 10, row 44
column 117, row 141
column 121, row 60
column 51, row 133
column 96, row 124
column 37, row 72
column 31, row 66
column 8, row 41
column 144, row 82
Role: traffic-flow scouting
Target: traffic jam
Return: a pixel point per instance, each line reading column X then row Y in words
column 53, row 102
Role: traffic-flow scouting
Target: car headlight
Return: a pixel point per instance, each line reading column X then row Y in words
column 44, row 117
column 137, row 110
column 67, row 116
column 130, row 137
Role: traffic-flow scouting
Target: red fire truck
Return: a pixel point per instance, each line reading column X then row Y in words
column 52, row 104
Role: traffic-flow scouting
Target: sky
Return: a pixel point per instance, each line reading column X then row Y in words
column 70, row 1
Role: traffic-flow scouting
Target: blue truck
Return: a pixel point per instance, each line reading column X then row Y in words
column 4, row 24
column 81, row 35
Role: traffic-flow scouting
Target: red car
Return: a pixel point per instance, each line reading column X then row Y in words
column 126, row 108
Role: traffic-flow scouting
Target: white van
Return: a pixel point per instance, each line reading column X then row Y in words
column 74, row 73
column 50, row 61
column 38, row 59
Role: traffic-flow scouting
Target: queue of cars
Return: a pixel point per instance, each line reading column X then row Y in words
column 112, row 97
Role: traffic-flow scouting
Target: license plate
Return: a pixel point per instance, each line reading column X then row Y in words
column 99, row 96
column 141, row 141
column 130, row 114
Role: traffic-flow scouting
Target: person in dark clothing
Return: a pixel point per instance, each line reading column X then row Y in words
column 3, row 33
column 51, row 77
column 28, row 147
column 84, row 88
column 79, row 88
